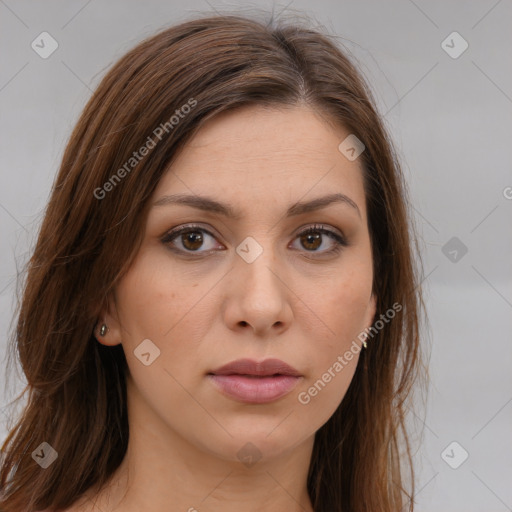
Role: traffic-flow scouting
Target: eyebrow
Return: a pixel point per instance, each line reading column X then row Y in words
column 211, row 205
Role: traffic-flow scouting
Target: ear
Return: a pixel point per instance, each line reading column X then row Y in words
column 109, row 317
column 370, row 313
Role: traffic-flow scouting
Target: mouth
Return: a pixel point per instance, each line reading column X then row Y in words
column 253, row 382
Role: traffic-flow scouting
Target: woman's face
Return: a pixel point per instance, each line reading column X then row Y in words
column 251, row 285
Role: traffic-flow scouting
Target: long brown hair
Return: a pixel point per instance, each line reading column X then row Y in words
column 91, row 232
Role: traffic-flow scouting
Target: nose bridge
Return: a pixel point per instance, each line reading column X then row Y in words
column 260, row 291
column 257, row 261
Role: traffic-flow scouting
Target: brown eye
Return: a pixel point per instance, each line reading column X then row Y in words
column 314, row 237
column 192, row 240
column 310, row 241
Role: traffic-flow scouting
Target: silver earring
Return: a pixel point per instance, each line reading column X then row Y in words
column 103, row 329
column 364, row 341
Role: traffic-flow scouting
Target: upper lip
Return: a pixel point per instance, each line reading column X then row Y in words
column 263, row 368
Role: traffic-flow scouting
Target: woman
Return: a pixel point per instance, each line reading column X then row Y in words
column 222, row 309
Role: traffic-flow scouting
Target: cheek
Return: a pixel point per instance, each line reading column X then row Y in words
column 346, row 312
column 343, row 304
column 153, row 300
column 167, row 306
column 161, row 305
column 349, row 307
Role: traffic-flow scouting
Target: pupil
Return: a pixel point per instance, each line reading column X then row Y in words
column 311, row 239
column 193, row 240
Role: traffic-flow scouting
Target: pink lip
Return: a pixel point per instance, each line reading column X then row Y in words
column 255, row 382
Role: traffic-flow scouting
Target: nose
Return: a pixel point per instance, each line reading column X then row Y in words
column 258, row 296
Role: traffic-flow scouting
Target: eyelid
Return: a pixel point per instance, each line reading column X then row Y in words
column 335, row 234
column 318, row 226
column 168, row 235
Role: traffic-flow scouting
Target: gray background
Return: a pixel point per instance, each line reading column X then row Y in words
column 451, row 121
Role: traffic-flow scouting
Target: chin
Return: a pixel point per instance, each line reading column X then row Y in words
column 257, row 442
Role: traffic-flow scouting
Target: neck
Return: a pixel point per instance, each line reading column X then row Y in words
column 163, row 472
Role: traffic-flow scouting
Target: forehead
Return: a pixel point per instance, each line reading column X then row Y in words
column 265, row 152
column 292, row 133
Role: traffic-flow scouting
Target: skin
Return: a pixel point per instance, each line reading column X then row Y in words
column 295, row 302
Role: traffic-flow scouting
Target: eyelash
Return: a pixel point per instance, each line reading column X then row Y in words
column 340, row 241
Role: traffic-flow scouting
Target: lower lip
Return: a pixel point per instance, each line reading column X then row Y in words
column 255, row 390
